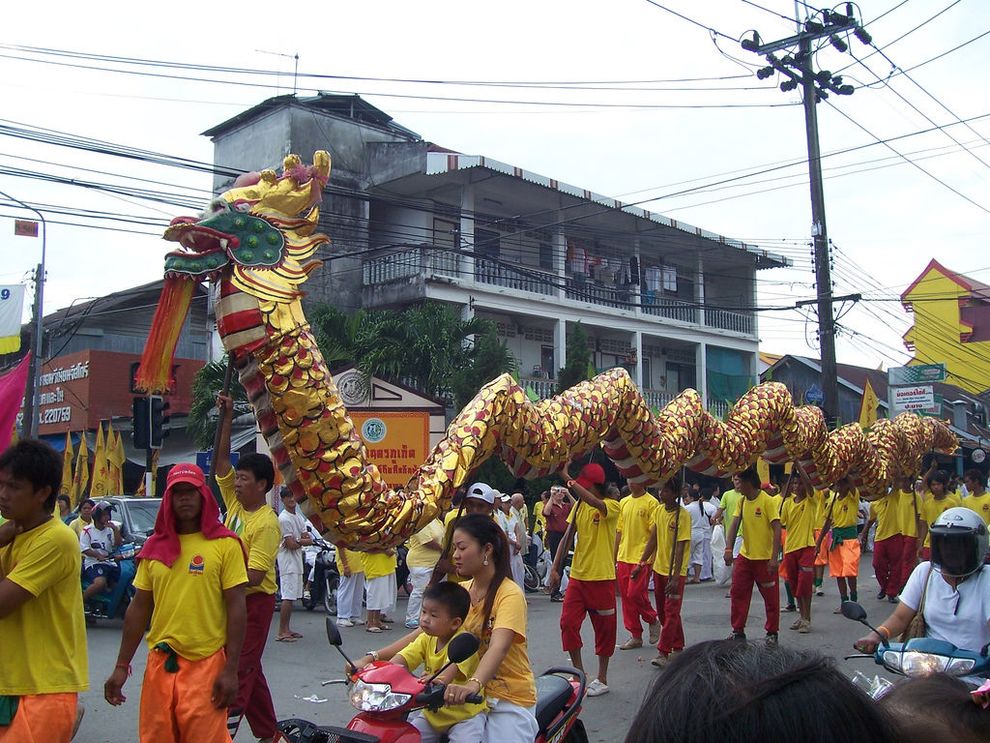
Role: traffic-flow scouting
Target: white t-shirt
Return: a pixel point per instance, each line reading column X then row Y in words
column 96, row 539
column 961, row 616
column 701, row 525
column 292, row 525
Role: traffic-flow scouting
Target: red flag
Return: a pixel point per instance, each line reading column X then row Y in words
column 25, row 228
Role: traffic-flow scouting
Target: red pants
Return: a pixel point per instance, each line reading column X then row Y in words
column 669, row 613
column 42, row 718
column 253, row 696
column 909, row 558
column 176, row 706
column 887, row 563
column 635, row 598
column 597, row 599
column 745, row 573
column 799, row 567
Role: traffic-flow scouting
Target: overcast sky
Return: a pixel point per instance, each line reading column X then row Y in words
column 886, row 217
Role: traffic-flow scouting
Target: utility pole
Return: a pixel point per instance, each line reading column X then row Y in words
column 799, row 70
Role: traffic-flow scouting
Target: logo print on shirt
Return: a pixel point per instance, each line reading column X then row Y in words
column 196, row 565
column 758, row 512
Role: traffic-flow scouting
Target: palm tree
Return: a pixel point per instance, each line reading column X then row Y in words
column 202, row 421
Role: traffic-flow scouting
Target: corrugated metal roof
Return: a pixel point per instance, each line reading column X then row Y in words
column 438, row 163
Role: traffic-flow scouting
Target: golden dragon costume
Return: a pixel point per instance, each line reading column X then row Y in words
column 258, row 241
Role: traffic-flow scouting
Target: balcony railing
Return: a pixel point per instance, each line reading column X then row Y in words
column 497, row 273
column 672, row 309
column 583, row 291
column 658, row 398
column 406, row 263
column 543, row 388
column 738, row 322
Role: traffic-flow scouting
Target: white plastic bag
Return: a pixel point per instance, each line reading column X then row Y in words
column 722, row 572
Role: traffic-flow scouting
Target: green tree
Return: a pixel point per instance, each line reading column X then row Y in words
column 578, row 364
column 202, row 421
column 489, row 358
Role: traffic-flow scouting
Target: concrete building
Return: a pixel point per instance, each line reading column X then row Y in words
column 412, row 221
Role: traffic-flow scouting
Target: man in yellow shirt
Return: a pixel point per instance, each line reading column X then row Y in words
column 887, row 545
column 670, row 538
column 758, row 516
column 249, row 516
column 85, row 517
column 938, row 500
column 635, row 523
column 43, row 661
column 978, row 499
column 425, row 547
column 798, row 515
column 190, row 588
column 908, row 516
column 591, row 588
column 844, row 554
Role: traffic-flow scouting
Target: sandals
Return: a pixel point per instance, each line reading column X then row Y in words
column 285, row 638
column 375, row 629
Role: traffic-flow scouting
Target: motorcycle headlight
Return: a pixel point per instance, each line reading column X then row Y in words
column 914, row 663
column 960, row 666
column 376, row 697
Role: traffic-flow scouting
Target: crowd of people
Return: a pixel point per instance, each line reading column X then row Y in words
column 206, row 587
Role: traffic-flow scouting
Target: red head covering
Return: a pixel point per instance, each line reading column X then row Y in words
column 591, row 474
column 163, row 544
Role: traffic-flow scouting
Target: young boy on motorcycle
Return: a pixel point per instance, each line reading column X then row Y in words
column 445, row 607
column 98, row 542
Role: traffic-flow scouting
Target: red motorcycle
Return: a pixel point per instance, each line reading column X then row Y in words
column 385, row 694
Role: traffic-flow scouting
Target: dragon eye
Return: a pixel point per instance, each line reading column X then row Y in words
column 242, row 206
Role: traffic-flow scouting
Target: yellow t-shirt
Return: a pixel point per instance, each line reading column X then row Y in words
column 377, row 564
column 423, row 652
column 355, row 562
column 886, row 518
column 758, row 516
column 539, row 523
column 845, row 512
column 77, row 525
column 190, row 612
column 908, row 505
column 822, row 500
column 514, row 680
column 665, row 521
column 980, row 504
column 258, row 530
column 43, row 641
column 419, row 555
column 594, row 553
column 931, row 509
column 800, row 521
column 635, row 522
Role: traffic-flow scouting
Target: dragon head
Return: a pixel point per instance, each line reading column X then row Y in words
column 258, row 238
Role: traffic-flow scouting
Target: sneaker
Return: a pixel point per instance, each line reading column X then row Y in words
column 790, row 607
column 661, row 660
column 893, row 599
column 797, row 624
column 881, row 596
column 306, row 595
column 557, row 597
column 737, row 636
column 632, row 643
column 805, row 627
column 345, row 622
column 596, row 688
column 655, row 632
column 412, row 625
column 771, row 640
column 357, row 622
column 819, row 592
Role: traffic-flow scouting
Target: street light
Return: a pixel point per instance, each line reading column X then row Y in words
column 30, row 407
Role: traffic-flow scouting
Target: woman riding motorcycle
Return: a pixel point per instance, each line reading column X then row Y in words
column 957, row 604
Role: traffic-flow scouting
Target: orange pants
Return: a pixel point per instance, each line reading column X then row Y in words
column 176, row 707
column 42, row 718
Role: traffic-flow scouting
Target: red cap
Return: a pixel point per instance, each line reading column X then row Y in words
column 187, row 473
column 591, row 474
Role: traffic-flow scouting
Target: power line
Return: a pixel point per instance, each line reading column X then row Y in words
column 683, row 17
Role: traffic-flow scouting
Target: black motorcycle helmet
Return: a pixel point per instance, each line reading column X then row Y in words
column 959, row 542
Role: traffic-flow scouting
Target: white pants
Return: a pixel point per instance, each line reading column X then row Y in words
column 506, row 721
column 420, row 579
column 350, row 595
column 518, row 570
column 290, row 586
column 381, row 593
column 701, row 553
column 470, row 730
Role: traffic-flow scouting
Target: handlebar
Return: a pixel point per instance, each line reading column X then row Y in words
column 432, row 696
column 858, row 655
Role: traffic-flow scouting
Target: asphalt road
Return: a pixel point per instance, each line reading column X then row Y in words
column 295, row 670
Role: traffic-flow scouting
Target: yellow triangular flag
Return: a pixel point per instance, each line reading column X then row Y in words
column 788, row 467
column 67, row 467
column 868, row 410
column 100, row 485
column 116, row 459
column 80, row 478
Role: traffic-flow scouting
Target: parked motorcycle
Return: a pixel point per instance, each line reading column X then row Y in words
column 113, row 603
column 384, row 694
column 537, row 564
column 325, row 577
column 919, row 656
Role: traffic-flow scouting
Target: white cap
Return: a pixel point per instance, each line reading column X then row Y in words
column 481, row 491
column 505, row 498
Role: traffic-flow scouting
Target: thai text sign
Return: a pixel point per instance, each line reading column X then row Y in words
column 396, row 442
column 915, row 399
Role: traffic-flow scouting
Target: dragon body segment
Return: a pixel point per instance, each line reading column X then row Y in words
column 258, row 242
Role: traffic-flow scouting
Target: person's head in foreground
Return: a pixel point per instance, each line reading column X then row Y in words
column 445, row 607
column 735, row 692
column 480, row 498
column 30, row 478
column 937, row 708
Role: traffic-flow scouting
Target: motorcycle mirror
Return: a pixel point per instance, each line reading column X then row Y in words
column 852, row 610
column 462, row 647
column 333, row 634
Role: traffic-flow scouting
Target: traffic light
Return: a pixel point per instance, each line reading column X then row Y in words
column 141, row 417
column 159, row 418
